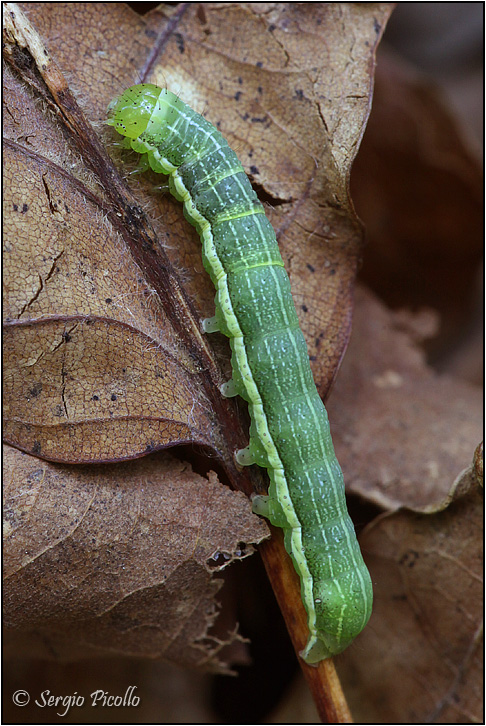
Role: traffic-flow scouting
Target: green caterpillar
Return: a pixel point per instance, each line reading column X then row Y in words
column 289, row 432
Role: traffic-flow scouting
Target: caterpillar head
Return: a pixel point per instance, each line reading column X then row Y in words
column 131, row 112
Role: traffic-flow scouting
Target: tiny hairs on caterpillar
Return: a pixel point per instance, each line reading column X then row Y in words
column 289, row 432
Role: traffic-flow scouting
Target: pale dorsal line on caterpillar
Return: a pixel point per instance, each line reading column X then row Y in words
column 289, row 432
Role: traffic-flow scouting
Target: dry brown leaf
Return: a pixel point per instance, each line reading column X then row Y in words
column 97, row 367
column 402, row 432
column 118, row 559
column 424, row 649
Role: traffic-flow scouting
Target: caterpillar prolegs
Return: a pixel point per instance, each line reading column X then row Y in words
column 289, row 433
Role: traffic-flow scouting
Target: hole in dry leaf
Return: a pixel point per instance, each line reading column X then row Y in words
column 241, row 550
column 267, row 198
column 219, row 560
